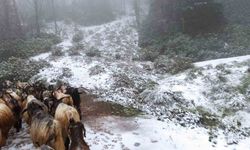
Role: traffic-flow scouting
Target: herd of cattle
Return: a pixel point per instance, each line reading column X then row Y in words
column 52, row 114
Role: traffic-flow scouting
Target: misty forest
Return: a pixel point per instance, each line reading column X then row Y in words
column 124, row 74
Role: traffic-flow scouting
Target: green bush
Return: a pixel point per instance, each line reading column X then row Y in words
column 78, row 37
column 208, row 47
column 27, row 48
column 96, row 70
column 233, row 42
column 52, row 37
column 207, row 119
column 179, row 44
column 148, row 54
column 239, row 35
column 57, row 51
column 20, row 69
column 93, row 52
column 75, row 49
column 245, row 84
column 173, row 65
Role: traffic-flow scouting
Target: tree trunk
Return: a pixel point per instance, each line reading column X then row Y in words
column 17, row 21
column 54, row 16
column 137, row 12
column 38, row 31
column 6, row 27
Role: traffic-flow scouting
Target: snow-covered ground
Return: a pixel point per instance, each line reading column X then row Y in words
column 200, row 108
column 142, row 133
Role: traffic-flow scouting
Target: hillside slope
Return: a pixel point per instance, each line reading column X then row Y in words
column 203, row 107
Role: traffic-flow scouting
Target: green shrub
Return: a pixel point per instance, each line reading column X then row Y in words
column 20, row 69
column 78, row 37
column 202, row 17
column 148, row 54
column 122, row 80
column 26, row 48
column 75, row 49
column 52, row 37
column 174, row 65
column 66, row 72
column 206, row 118
column 222, row 78
column 194, row 73
column 234, row 41
column 172, row 45
column 245, row 84
column 96, row 70
column 181, row 45
column 93, row 52
column 118, row 56
column 239, row 35
column 57, row 51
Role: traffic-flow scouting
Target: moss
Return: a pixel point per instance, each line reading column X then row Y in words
column 119, row 110
column 206, row 118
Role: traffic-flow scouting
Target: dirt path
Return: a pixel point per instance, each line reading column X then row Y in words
column 92, row 108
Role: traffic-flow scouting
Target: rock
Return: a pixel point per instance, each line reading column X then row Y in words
column 137, row 144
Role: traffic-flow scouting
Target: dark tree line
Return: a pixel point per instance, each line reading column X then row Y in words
column 14, row 26
column 193, row 17
column 190, row 16
column 202, row 16
column 29, row 16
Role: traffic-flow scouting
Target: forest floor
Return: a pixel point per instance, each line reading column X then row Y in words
column 201, row 108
